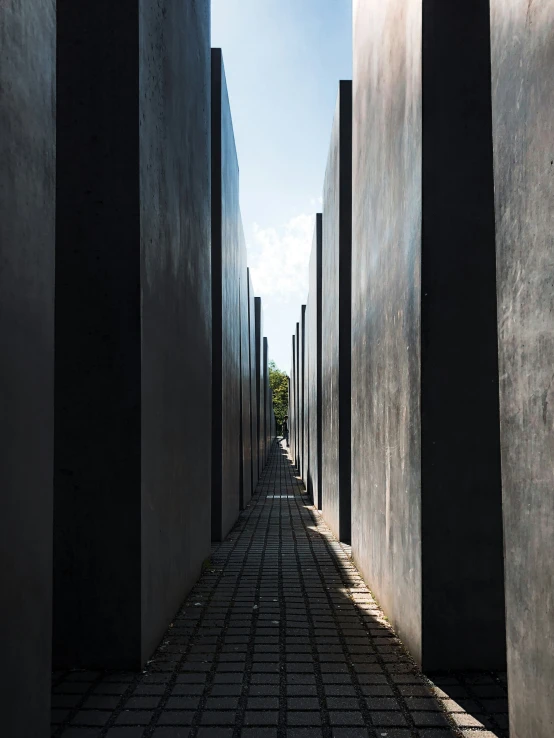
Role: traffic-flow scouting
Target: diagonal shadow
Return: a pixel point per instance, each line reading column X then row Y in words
column 473, row 702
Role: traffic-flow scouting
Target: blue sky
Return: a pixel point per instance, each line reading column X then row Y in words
column 283, row 61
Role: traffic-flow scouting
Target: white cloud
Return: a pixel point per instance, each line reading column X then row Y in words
column 279, row 259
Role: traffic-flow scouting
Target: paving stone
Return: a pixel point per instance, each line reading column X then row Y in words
column 275, row 628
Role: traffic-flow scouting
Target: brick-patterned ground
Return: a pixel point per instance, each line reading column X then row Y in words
column 279, row 638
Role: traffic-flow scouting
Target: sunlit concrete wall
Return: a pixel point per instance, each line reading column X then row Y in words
column 336, row 320
column 523, row 132
column 426, row 493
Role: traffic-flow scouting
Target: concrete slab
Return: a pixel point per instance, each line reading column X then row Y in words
column 314, row 365
column 27, row 215
column 426, row 495
column 133, row 305
column 523, row 131
column 336, row 348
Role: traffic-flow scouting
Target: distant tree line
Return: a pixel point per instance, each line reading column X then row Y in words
column 279, row 383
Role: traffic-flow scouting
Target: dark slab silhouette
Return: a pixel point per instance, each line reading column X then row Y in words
column 133, row 305
column 246, row 418
column 226, row 250
column 254, row 474
column 27, row 201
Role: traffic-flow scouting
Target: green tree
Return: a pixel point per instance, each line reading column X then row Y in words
column 279, row 383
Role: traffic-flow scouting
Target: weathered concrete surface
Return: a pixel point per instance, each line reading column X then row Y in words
column 226, row 245
column 266, row 399
column 254, row 473
column 133, row 304
column 523, row 132
column 336, row 320
column 296, row 457
column 426, row 499
column 314, row 365
column 27, row 201
column 246, row 419
column 292, row 400
column 302, row 389
column 260, row 382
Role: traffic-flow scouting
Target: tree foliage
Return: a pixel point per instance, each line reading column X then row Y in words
column 279, row 383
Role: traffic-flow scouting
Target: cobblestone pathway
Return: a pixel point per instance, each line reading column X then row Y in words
column 279, row 638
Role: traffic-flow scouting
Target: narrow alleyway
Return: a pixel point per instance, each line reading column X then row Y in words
column 279, row 638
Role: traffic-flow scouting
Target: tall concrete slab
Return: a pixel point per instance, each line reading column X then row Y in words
column 226, row 253
column 314, row 365
column 336, row 320
column 266, row 401
column 523, row 131
column 27, row 203
column 246, row 420
column 254, row 473
column 301, row 388
column 292, row 400
column 426, row 492
column 297, row 395
column 306, row 469
column 133, row 304
column 260, row 383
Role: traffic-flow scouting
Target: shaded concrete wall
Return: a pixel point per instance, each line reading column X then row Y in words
column 523, row 132
column 133, row 297
column 306, row 395
column 27, row 201
column 301, row 390
column 254, row 473
column 426, row 500
column 314, row 364
column 297, row 446
column 226, row 247
column 246, row 420
column 335, row 320
column 260, row 383
column 266, row 400
column 292, row 400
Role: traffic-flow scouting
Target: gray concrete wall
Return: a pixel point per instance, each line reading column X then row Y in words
column 301, row 389
column 426, row 499
column 314, row 364
column 266, row 401
column 246, row 421
column 133, row 296
column 306, row 394
column 523, row 132
column 226, row 247
column 292, row 400
column 27, row 201
column 260, row 383
column 254, row 473
column 296, row 457
column 335, row 320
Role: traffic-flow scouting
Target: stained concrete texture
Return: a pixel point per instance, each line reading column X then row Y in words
column 226, row 247
column 292, row 400
column 314, row 365
column 306, row 426
column 133, row 304
column 301, row 390
column 27, row 187
column 260, row 382
column 254, row 474
column 336, row 320
column 523, row 132
column 297, row 429
column 426, row 492
column 266, row 400
column 246, row 418
column 280, row 637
